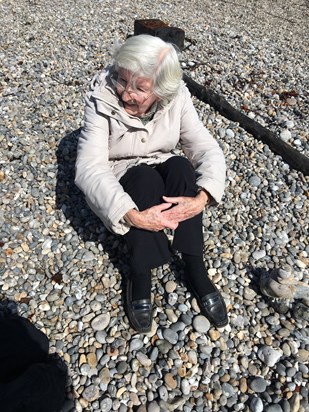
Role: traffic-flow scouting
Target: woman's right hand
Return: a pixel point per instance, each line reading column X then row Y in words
column 150, row 219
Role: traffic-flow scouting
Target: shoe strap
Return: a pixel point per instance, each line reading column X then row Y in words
column 141, row 304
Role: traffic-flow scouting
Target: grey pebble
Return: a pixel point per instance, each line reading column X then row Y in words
column 135, row 344
column 91, row 393
column 100, row 323
column 258, row 385
column 106, row 405
column 201, row 324
column 259, row 254
column 163, row 393
column 153, row 407
column 228, row 389
column 256, row 404
column 255, row 181
column 273, row 408
column 269, row 355
column 171, row 336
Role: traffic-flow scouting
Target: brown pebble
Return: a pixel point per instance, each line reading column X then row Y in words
column 170, row 381
column 303, row 355
column 67, row 358
column 82, row 359
column 182, row 371
column 214, row 334
column 83, row 402
column 291, row 101
column 243, row 386
column 241, row 334
column 289, row 395
column 268, row 340
column 252, row 370
column 225, row 378
column 92, row 360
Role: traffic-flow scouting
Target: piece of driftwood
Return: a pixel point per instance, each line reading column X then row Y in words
column 158, row 28
column 290, row 155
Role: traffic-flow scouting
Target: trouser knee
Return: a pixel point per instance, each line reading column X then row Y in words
column 144, row 184
column 179, row 176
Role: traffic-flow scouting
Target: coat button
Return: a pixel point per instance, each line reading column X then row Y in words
column 143, row 140
column 113, row 112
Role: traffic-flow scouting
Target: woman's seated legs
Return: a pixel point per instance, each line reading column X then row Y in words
column 146, row 185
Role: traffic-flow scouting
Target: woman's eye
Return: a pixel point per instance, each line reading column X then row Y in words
column 122, row 82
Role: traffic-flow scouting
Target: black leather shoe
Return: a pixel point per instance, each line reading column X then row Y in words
column 213, row 307
column 139, row 311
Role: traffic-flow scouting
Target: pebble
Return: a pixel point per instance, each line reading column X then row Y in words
column 229, row 133
column 153, row 407
column 201, row 324
column 143, row 359
column 303, row 355
column 214, row 334
column 269, row 356
column 171, row 336
column 273, row 408
column 249, row 293
column 294, row 402
column 170, row 286
column 91, row 393
column 99, row 323
column 170, row 381
column 64, row 271
column 255, row 181
column 106, row 405
column 258, row 384
column 259, row 254
column 285, row 135
column 256, row 404
column 243, row 386
column 136, row 344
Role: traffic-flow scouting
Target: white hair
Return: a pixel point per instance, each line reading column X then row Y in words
column 151, row 57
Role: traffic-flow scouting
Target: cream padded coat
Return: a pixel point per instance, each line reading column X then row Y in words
column 112, row 141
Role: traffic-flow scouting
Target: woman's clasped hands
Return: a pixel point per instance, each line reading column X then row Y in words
column 169, row 214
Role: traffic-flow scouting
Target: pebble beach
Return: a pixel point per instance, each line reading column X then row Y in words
column 61, row 269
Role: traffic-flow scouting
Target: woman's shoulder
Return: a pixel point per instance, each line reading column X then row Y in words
column 182, row 96
column 183, row 92
column 102, row 79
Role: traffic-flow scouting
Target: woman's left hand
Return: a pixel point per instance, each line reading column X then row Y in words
column 185, row 207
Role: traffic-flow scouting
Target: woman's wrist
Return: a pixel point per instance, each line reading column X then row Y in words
column 203, row 194
column 130, row 217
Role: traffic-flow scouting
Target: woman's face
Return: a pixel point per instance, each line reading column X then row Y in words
column 135, row 92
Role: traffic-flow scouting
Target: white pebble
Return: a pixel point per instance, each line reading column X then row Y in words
column 285, row 135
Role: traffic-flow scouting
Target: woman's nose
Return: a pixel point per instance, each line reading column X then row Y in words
column 126, row 96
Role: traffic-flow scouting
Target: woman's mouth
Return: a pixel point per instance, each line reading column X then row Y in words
column 127, row 104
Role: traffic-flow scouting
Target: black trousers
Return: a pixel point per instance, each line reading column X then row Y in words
column 146, row 185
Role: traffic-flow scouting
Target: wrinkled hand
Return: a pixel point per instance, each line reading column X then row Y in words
column 152, row 219
column 185, row 207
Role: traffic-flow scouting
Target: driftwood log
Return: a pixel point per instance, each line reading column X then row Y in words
column 158, row 28
column 290, row 155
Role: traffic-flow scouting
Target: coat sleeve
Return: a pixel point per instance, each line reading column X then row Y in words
column 202, row 150
column 93, row 175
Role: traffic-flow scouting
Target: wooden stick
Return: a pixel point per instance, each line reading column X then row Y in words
column 290, row 155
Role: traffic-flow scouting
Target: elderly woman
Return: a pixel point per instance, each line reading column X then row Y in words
column 137, row 112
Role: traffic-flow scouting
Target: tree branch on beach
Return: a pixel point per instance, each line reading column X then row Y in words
column 290, row 155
